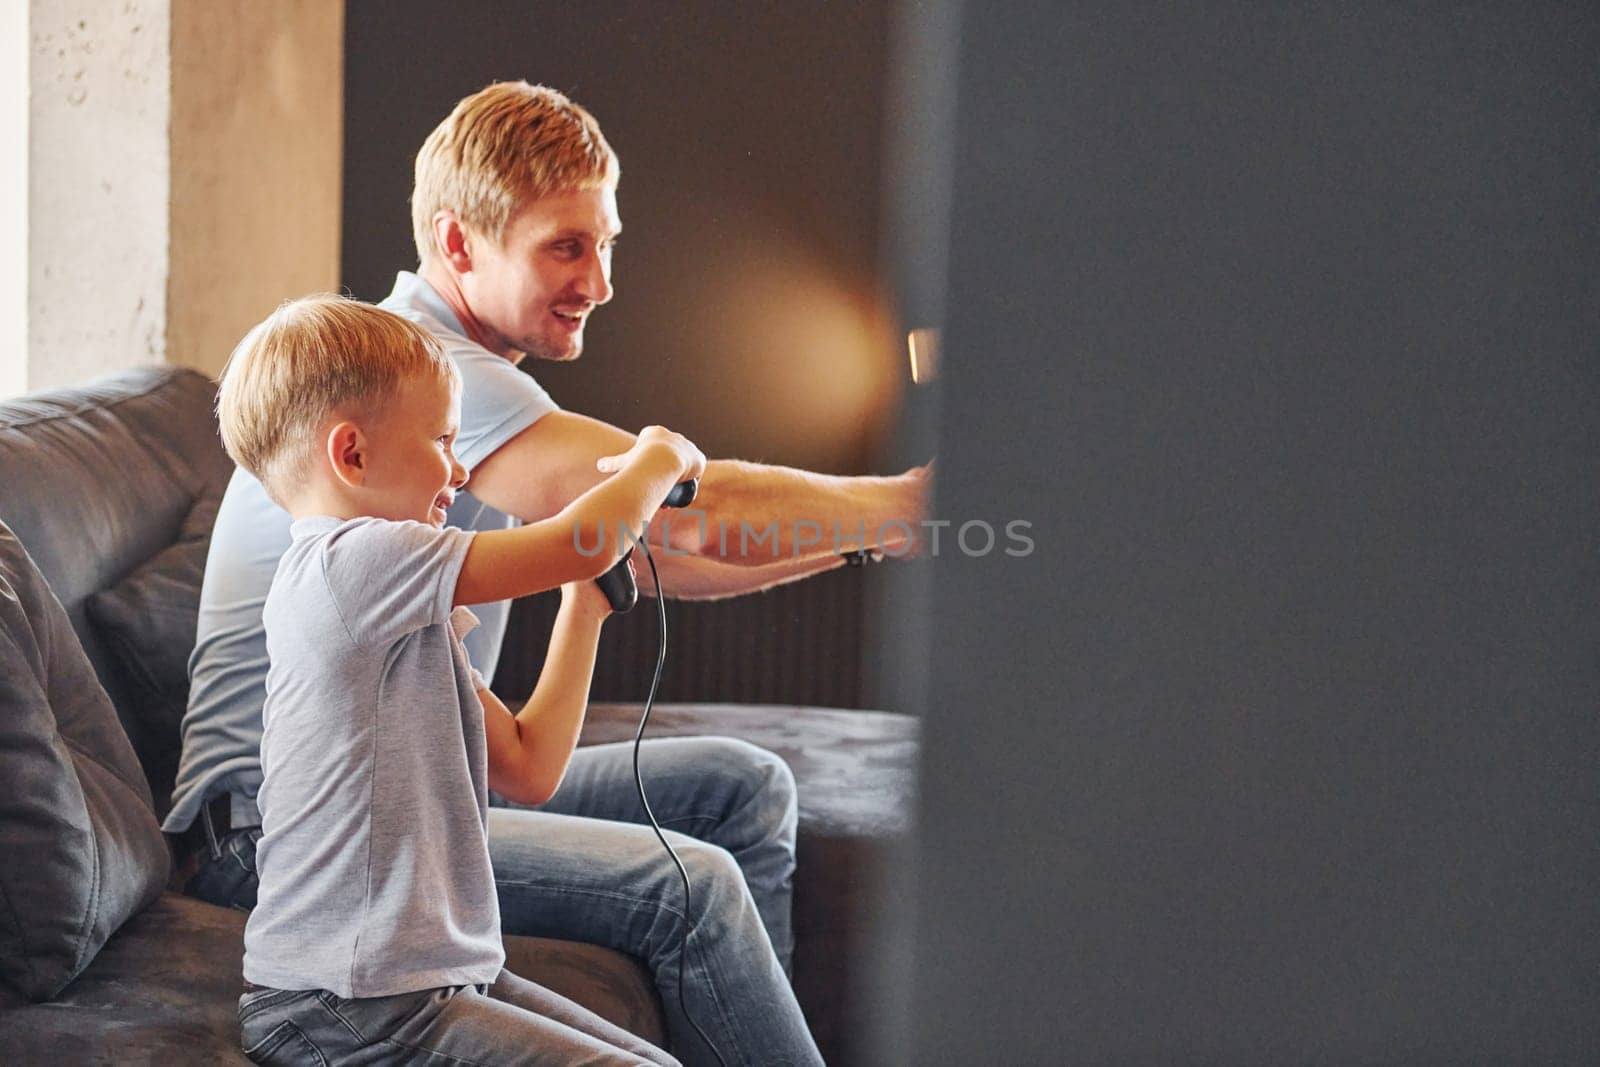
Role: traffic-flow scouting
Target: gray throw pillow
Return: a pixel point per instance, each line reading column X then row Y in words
column 80, row 850
column 146, row 622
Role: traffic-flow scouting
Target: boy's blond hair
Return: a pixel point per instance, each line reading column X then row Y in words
column 309, row 360
column 502, row 147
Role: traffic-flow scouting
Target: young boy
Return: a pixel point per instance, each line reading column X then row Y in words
column 376, row 936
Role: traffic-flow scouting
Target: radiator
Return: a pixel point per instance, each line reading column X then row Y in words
column 798, row 644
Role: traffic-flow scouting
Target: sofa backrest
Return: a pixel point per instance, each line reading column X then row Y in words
column 98, row 479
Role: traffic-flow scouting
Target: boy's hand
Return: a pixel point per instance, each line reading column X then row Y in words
column 692, row 462
column 585, row 600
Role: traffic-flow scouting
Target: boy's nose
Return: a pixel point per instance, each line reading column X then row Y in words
column 458, row 474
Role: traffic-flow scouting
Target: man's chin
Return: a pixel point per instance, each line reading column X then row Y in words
column 564, row 351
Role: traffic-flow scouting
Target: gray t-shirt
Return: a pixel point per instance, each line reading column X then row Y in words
column 374, row 854
column 228, row 668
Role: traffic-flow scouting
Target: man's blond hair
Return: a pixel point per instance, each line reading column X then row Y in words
column 311, row 359
column 502, row 147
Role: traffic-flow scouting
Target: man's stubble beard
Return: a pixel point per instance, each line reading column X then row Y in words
column 542, row 350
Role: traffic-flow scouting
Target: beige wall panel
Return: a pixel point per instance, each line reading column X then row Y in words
column 257, row 143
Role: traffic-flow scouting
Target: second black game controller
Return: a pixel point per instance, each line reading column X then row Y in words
column 618, row 583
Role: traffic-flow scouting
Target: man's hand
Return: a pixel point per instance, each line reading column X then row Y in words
column 690, row 458
column 918, row 484
column 910, row 491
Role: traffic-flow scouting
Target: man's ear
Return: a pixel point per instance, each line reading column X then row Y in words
column 452, row 242
column 347, row 454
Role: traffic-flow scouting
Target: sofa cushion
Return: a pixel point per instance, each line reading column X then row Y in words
column 80, row 850
column 855, row 773
column 166, row 990
column 147, row 620
column 146, row 624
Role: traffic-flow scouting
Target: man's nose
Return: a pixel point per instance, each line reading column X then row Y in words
column 597, row 277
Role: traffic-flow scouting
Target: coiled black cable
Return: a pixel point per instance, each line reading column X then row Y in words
column 638, row 780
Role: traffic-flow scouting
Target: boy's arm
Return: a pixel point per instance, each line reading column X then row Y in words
column 529, row 751
column 586, row 537
column 535, row 473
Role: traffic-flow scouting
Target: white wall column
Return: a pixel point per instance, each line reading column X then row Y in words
column 97, row 192
column 13, row 198
column 182, row 177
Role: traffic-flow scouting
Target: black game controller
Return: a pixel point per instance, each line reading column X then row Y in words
column 617, row 583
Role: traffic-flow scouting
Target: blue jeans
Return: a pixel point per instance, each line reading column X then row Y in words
column 583, row 867
column 512, row 1021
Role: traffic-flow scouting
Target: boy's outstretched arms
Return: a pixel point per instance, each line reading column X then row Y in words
column 589, row 535
column 529, row 751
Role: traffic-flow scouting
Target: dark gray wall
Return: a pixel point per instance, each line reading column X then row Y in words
column 749, row 312
column 1280, row 326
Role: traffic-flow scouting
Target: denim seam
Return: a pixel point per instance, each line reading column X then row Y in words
column 711, row 818
column 603, row 894
column 326, row 999
column 231, row 850
column 288, row 1029
column 434, row 1053
column 264, row 1001
column 712, row 983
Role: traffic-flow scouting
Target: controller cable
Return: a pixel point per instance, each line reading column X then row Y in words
column 638, row 780
column 622, row 602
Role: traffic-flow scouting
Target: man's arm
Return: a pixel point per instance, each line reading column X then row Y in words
column 546, row 466
column 502, row 564
column 788, row 513
column 706, row 578
column 813, row 514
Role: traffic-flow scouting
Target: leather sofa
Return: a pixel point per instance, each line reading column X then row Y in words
column 106, row 496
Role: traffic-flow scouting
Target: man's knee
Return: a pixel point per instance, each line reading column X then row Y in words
column 758, row 779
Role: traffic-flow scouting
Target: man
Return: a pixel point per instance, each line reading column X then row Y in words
column 515, row 217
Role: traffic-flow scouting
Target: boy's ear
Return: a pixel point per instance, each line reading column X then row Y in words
column 347, row 454
column 453, row 241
